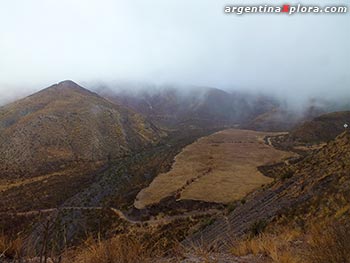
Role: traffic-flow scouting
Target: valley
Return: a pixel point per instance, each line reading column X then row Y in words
column 78, row 168
column 90, row 190
column 168, row 132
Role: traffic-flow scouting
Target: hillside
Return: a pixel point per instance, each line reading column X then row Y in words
column 192, row 107
column 283, row 119
column 321, row 129
column 90, row 160
column 66, row 124
column 312, row 190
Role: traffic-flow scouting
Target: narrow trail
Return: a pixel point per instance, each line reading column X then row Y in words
column 119, row 213
column 269, row 142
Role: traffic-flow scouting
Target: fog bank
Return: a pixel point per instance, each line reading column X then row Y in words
column 185, row 43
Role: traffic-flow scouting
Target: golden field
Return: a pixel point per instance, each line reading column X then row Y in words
column 218, row 168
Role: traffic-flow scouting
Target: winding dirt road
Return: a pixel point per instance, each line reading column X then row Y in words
column 119, row 213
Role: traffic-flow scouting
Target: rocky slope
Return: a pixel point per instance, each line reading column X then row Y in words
column 314, row 188
column 323, row 128
column 280, row 119
column 65, row 124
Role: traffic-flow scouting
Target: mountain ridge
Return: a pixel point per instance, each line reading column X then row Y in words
column 67, row 123
column 322, row 128
column 171, row 107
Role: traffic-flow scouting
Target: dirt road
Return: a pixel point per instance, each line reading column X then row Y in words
column 119, row 213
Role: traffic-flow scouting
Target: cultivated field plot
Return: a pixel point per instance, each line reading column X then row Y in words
column 218, row 168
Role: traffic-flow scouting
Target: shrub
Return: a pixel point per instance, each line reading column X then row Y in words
column 208, row 222
column 231, row 207
column 258, row 227
column 286, row 175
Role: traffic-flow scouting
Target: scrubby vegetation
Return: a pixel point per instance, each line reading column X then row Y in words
column 121, row 249
column 11, row 248
column 329, row 243
column 73, row 202
column 326, row 242
column 276, row 248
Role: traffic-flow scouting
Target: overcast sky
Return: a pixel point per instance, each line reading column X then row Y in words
column 172, row 41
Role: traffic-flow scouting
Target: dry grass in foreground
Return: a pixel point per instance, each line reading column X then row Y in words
column 329, row 243
column 323, row 243
column 218, row 168
column 131, row 249
column 11, row 247
column 277, row 248
column 121, row 249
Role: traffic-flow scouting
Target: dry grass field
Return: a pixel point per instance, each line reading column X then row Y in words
column 218, row 168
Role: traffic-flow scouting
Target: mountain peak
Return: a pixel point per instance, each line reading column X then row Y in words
column 67, row 82
column 67, row 87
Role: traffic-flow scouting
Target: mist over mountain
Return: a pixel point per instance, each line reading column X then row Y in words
column 164, row 123
column 173, row 105
column 294, row 58
column 196, row 106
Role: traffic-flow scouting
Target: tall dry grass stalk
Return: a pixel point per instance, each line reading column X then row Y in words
column 276, row 247
column 11, row 247
column 205, row 252
column 121, row 249
column 329, row 243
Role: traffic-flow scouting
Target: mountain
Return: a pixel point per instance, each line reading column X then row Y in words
column 283, row 119
column 277, row 119
column 311, row 190
column 321, row 129
column 66, row 124
column 199, row 107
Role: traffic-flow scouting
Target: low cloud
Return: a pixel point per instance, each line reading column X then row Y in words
column 177, row 41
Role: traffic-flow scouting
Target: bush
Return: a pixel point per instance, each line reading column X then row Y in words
column 258, row 227
column 231, row 207
column 286, row 175
column 208, row 222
